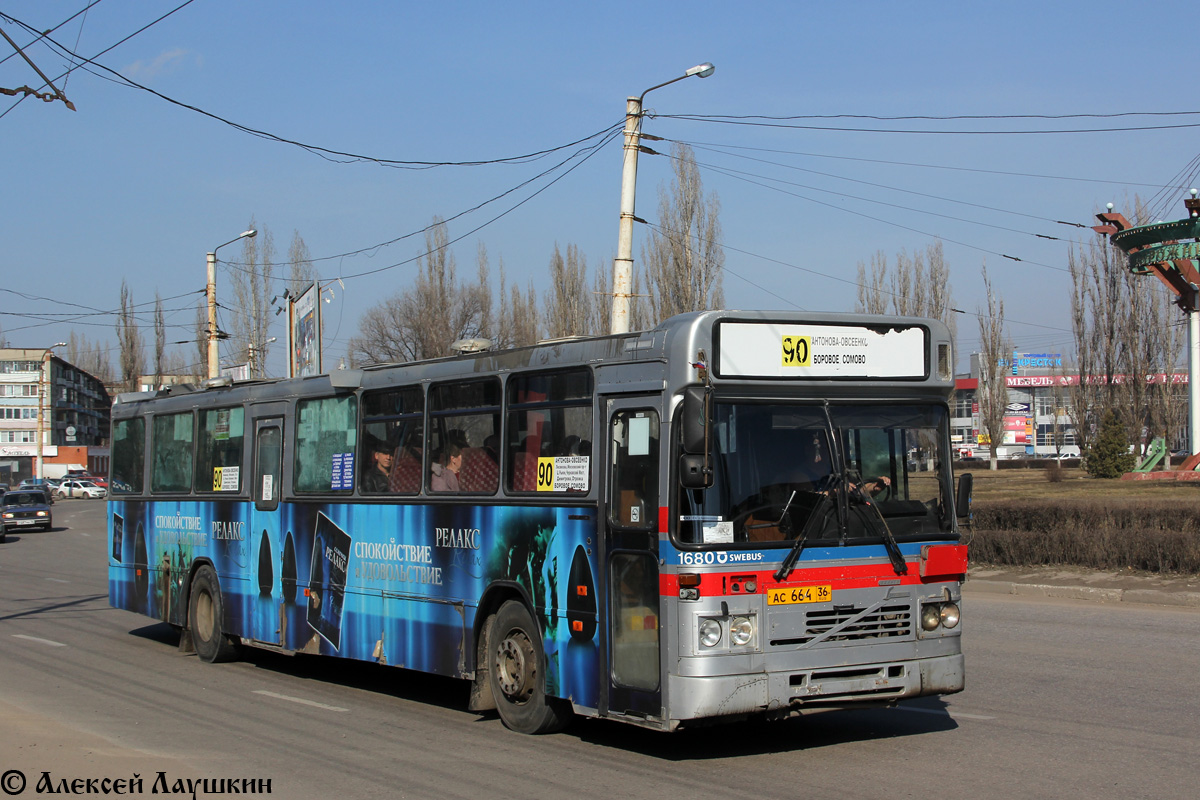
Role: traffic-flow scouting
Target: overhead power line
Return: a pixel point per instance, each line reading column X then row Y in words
column 778, row 122
column 330, row 154
column 927, row 166
column 590, row 149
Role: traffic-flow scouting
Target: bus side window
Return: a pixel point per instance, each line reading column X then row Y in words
column 326, row 432
column 128, row 456
column 172, row 453
column 391, row 441
column 634, row 499
column 268, row 468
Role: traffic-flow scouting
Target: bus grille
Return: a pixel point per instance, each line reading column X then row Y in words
column 831, row 625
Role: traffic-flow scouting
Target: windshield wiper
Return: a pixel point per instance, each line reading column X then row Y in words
column 889, row 541
column 789, row 561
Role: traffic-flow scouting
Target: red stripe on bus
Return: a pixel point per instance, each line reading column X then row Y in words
column 857, row 576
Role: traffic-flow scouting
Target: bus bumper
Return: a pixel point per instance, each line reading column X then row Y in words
column 791, row 691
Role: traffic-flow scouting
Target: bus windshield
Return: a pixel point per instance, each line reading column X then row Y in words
column 827, row 473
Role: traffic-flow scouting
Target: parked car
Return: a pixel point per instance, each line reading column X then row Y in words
column 77, row 488
column 41, row 486
column 25, row 508
column 96, row 479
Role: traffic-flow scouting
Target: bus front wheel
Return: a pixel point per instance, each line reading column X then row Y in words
column 517, row 673
column 206, row 611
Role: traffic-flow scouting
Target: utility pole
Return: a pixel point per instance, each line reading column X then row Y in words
column 211, row 293
column 214, row 367
column 623, row 263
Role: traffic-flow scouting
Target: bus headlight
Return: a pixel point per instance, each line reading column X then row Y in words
column 931, row 616
column 949, row 615
column 741, row 631
column 710, row 632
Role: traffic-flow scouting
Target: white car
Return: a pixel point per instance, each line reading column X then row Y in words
column 73, row 488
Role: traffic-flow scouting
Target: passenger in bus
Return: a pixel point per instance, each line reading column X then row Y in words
column 491, row 446
column 375, row 477
column 445, row 470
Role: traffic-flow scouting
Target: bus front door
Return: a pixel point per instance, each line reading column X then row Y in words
column 631, row 548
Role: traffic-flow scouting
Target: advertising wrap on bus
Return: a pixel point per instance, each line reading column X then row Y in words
column 371, row 582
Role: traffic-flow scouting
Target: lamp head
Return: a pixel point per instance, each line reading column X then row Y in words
column 250, row 234
column 701, row 70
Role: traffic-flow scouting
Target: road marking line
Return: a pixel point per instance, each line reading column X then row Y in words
column 36, row 639
column 956, row 714
column 300, row 700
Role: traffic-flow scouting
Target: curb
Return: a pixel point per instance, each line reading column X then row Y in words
column 1092, row 593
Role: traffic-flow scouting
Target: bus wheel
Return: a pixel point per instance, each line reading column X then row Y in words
column 205, row 613
column 517, row 673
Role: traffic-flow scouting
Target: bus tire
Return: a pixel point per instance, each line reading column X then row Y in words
column 205, row 615
column 517, row 674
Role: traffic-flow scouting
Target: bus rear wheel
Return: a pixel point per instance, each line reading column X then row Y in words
column 206, row 611
column 517, row 673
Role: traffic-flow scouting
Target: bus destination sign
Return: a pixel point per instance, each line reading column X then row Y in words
column 767, row 350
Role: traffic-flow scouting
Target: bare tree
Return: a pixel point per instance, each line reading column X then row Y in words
column 423, row 321
column 568, row 303
column 130, row 341
column 301, row 272
column 91, row 357
column 601, row 308
column 517, row 320
column 918, row 286
column 252, row 293
column 872, row 299
column 523, row 316
column 160, row 341
column 483, row 289
column 684, row 259
column 994, row 345
column 1100, row 321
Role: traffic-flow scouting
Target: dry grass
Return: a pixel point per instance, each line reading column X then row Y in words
column 1023, row 519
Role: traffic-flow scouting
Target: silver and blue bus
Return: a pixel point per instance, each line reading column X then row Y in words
column 734, row 514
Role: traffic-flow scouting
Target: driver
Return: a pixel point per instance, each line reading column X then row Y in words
column 815, row 468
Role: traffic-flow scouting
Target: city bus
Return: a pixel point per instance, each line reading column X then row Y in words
column 733, row 515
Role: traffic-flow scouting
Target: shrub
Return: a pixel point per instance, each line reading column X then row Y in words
column 1150, row 535
column 1054, row 472
column 1109, row 456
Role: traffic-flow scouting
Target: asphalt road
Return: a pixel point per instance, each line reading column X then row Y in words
column 1064, row 699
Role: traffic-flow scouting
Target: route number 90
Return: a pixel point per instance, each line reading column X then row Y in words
column 797, row 351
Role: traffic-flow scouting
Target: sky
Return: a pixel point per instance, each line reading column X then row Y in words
column 132, row 186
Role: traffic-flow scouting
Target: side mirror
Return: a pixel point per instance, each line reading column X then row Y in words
column 695, row 471
column 695, row 419
column 962, row 496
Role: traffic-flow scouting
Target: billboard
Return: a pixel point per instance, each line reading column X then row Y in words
column 304, row 333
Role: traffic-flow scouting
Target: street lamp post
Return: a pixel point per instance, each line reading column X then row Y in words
column 214, row 368
column 623, row 263
column 44, row 367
